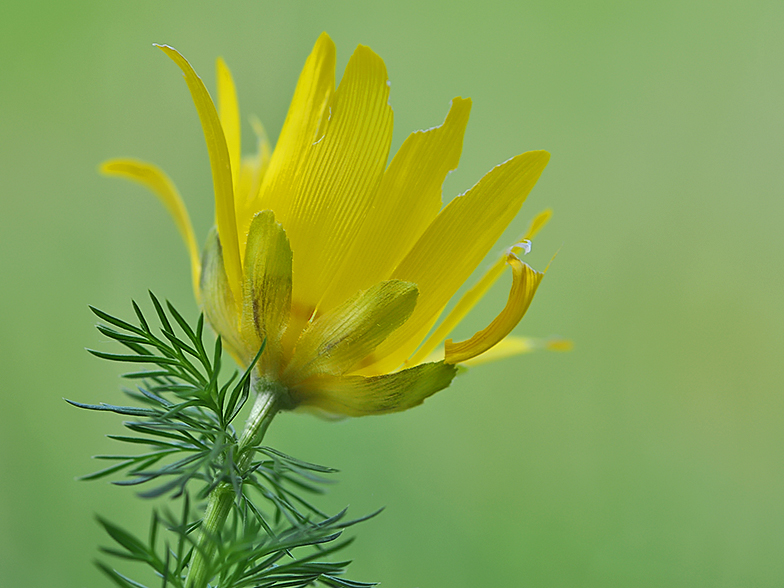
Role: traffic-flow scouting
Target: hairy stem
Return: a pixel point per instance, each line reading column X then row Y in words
column 265, row 407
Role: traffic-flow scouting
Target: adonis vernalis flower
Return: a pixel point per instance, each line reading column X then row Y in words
column 339, row 265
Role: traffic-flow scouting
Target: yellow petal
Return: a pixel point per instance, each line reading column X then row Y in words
column 511, row 346
column 337, row 340
column 559, row 344
column 221, row 170
column 407, row 201
column 218, row 300
column 155, row 180
column 338, row 182
column 508, row 347
column 454, row 244
column 246, row 193
column 267, row 289
column 314, row 90
column 358, row 395
column 525, row 281
column 536, row 225
column 229, row 113
column 470, row 298
column 458, row 313
column 263, row 152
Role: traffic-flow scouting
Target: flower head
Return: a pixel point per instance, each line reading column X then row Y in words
column 339, row 265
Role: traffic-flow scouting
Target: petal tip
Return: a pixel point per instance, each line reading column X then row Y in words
column 324, row 44
column 459, row 104
column 106, row 168
column 560, row 345
column 364, row 52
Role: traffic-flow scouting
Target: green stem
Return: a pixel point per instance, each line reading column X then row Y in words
column 265, row 407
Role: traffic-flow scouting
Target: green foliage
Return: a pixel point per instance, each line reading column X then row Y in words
column 183, row 418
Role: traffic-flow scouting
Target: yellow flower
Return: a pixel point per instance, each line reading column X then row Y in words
column 339, row 264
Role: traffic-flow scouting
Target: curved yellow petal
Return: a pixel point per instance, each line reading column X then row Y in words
column 458, row 313
column 221, row 170
column 539, row 221
column 337, row 340
column 472, row 296
column 407, row 201
column 267, row 289
column 155, row 180
column 359, row 396
column 453, row 246
column 338, row 182
column 229, row 114
column 525, row 281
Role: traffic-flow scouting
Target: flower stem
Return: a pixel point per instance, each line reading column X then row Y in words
column 265, row 407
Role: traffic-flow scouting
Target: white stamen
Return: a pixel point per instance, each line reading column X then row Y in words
column 525, row 245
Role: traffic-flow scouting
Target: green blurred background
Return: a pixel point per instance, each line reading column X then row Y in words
column 651, row 455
